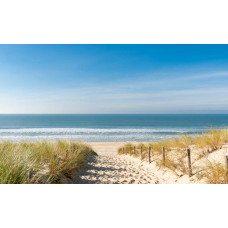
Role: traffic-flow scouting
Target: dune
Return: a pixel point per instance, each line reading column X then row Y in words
column 110, row 168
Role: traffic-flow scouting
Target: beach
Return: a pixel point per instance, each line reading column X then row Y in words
column 106, row 134
column 184, row 160
column 110, row 168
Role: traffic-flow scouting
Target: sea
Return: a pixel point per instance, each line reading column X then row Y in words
column 106, row 128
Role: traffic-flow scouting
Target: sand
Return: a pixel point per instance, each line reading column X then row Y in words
column 215, row 157
column 110, row 168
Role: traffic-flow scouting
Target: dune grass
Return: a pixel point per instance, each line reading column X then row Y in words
column 212, row 140
column 41, row 162
column 176, row 156
column 215, row 173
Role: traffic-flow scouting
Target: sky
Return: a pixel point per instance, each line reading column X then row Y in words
column 113, row 79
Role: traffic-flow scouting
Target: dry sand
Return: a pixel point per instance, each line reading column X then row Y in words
column 110, row 168
column 215, row 157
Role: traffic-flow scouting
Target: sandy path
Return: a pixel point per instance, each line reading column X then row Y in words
column 116, row 170
column 110, row 168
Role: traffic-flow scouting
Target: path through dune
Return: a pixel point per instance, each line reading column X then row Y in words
column 110, row 168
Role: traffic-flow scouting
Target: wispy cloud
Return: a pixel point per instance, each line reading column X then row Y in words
column 120, row 98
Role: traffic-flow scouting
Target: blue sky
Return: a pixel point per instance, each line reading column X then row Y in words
column 113, row 78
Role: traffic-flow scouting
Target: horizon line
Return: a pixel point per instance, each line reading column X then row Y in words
column 113, row 113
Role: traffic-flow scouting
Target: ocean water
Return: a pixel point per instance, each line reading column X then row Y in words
column 105, row 128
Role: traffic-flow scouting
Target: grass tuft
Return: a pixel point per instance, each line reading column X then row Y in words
column 216, row 174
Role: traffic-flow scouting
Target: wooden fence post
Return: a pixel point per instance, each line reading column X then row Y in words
column 30, row 173
column 134, row 149
column 163, row 154
column 149, row 155
column 67, row 153
column 123, row 150
column 141, row 151
column 189, row 163
column 226, row 159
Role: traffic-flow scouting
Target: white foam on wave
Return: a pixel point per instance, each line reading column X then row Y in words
column 96, row 130
column 92, row 134
column 86, row 138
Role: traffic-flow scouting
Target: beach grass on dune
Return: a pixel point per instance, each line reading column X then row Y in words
column 176, row 156
column 41, row 162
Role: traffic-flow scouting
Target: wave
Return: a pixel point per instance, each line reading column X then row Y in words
column 98, row 130
column 93, row 134
column 86, row 138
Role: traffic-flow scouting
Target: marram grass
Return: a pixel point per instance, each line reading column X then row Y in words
column 41, row 162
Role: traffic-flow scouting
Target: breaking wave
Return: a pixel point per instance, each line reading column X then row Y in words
column 93, row 134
